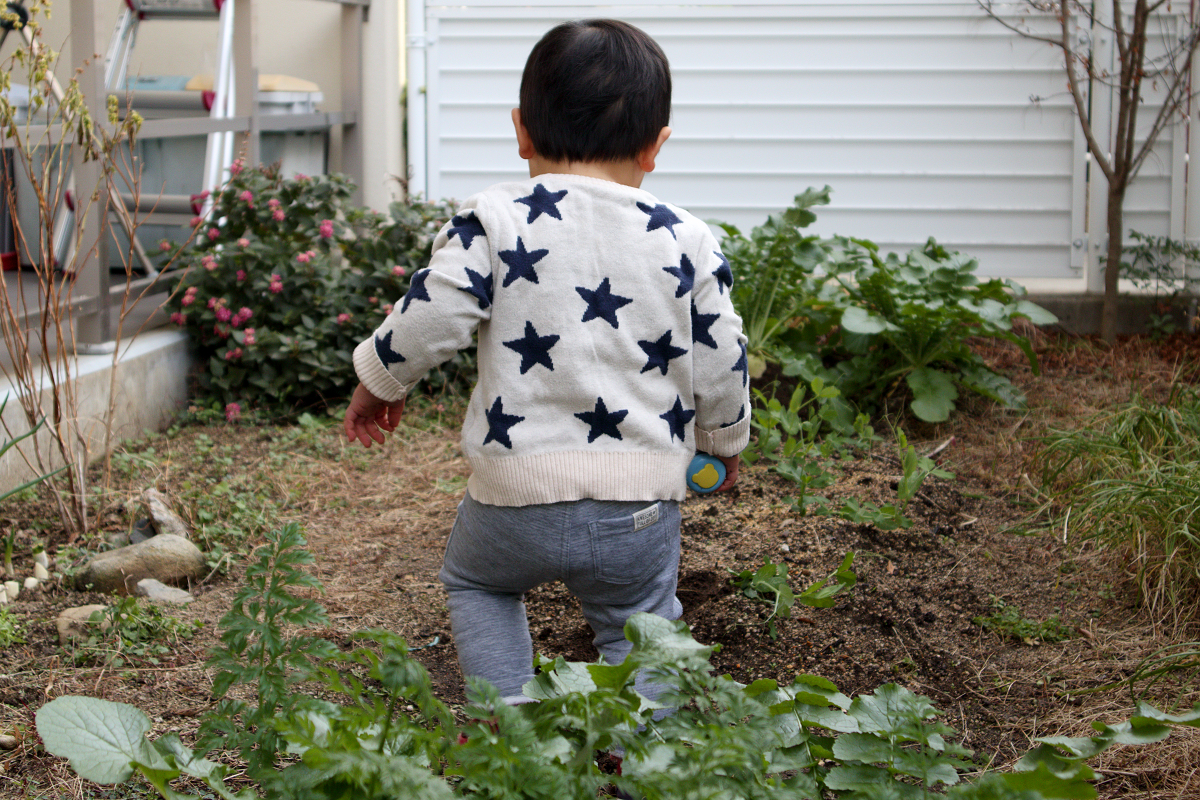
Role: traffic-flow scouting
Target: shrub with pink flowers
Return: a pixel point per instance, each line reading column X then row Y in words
column 286, row 278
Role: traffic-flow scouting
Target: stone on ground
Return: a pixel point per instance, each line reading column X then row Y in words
column 72, row 623
column 166, row 557
column 162, row 517
column 157, row 590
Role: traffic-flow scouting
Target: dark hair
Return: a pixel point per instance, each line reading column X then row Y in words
column 595, row 90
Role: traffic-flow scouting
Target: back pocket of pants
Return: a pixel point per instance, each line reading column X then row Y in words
column 624, row 555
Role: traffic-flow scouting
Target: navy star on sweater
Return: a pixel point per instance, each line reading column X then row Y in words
column 466, row 228
column 520, row 262
column 742, row 365
column 416, row 290
column 602, row 303
column 383, row 349
column 481, row 287
column 534, row 349
column 602, row 421
column 686, row 274
column 541, row 202
column 723, row 273
column 499, row 424
column 660, row 352
column 701, row 323
column 660, row 217
column 677, row 419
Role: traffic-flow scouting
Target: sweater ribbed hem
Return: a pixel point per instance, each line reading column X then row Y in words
column 726, row 442
column 567, row 476
column 374, row 375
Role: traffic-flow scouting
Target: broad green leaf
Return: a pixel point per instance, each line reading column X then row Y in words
column 858, row 320
column 1189, row 718
column 1049, row 785
column 890, row 709
column 871, row 781
column 1035, row 313
column 103, row 740
column 563, row 678
column 660, row 640
column 864, row 747
column 933, row 394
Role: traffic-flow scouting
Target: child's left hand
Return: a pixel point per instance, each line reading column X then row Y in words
column 368, row 417
column 731, row 472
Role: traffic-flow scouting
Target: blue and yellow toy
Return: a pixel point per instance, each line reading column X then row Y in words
column 705, row 473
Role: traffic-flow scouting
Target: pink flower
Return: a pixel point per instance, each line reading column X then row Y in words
column 209, row 263
column 212, row 302
column 387, row 309
column 276, row 287
column 326, row 228
column 164, row 245
column 241, row 275
column 233, row 411
column 188, row 299
column 248, row 339
column 223, row 314
column 230, row 355
column 303, row 258
column 300, row 176
column 243, row 242
column 213, row 233
column 178, row 318
column 277, row 215
column 273, row 203
column 237, row 166
column 197, row 222
column 398, row 271
column 372, row 300
column 245, row 313
column 342, row 319
column 248, row 196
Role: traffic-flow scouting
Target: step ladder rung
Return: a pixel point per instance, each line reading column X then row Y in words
column 175, row 9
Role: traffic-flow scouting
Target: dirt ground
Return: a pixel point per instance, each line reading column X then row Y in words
column 377, row 522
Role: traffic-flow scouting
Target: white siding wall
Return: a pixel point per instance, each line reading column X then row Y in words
column 919, row 115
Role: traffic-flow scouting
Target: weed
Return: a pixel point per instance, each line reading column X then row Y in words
column 12, row 630
column 130, row 629
column 1129, row 480
column 768, row 584
column 1008, row 621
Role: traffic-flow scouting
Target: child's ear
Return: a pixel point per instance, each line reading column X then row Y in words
column 524, row 143
column 645, row 159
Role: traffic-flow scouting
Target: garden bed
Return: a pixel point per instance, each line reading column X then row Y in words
column 377, row 522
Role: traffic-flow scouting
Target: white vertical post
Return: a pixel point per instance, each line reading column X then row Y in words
column 245, row 77
column 1103, row 50
column 94, row 327
column 380, row 118
column 418, row 181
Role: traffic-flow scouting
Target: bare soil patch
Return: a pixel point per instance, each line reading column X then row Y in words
column 377, row 522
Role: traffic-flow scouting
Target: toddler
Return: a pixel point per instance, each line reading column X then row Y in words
column 608, row 353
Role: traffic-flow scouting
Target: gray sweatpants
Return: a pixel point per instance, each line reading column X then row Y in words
column 618, row 558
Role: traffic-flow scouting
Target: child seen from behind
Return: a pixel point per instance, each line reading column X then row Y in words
column 608, row 352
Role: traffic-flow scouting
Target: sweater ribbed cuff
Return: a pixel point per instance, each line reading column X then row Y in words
column 727, row 442
column 374, row 375
column 566, row 476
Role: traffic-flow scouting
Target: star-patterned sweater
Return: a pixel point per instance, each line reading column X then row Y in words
column 608, row 348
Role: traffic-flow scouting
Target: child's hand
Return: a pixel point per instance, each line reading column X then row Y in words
column 367, row 415
column 731, row 472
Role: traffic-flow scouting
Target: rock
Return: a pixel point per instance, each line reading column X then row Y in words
column 13, row 589
column 40, row 557
column 157, row 590
column 72, row 623
column 142, row 530
column 119, row 539
column 165, row 557
column 40, row 572
column 8, row 742
column 784, row 548
column 31, row 584
column 162, row 517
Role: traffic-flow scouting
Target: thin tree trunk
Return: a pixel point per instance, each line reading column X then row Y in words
column 1112, row 266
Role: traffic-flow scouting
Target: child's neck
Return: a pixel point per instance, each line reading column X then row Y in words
column 624, row 171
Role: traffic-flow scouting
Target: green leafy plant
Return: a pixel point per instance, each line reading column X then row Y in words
column 882, row 325
column 130, row 630
column 803, row 438
column 1008, row 621
column 1129, row 480
column 279, row 291
column 769, row 585
column 1165, row 267
column 914, row 470
column 391, row 737
column 12, row 630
